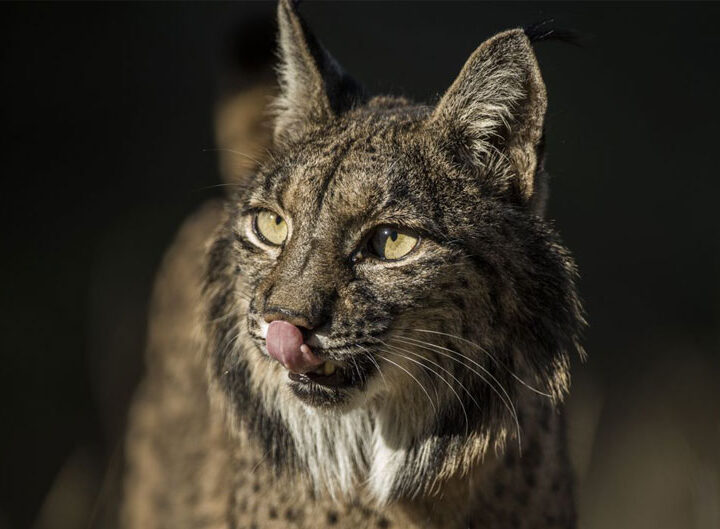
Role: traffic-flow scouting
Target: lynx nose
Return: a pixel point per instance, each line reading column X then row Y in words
column 285, row 343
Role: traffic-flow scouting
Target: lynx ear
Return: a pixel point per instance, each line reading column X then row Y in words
column 493, row 114
column 313, row 86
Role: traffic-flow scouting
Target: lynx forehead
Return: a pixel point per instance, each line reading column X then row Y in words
column 384, row 302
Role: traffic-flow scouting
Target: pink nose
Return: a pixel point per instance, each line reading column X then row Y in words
column 285, row 344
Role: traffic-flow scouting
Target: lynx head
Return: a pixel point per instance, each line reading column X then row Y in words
column 385, row 282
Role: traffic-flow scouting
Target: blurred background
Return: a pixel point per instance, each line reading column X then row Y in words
column 107, row 145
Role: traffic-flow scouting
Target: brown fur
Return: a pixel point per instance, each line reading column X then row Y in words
column 458, row 353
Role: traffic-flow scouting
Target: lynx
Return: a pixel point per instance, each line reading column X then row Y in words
column 374, row 327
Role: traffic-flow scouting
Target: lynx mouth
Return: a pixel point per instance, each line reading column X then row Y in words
column 333, row 384
column 328, row 374
column 319, row 376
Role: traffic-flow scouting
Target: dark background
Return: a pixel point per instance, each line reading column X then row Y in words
column 107, row 118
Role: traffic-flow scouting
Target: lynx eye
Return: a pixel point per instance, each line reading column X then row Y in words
column 270, row 227
column 390, row 243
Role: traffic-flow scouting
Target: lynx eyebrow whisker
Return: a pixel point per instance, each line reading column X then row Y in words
column 221, row 185
column 232, row 151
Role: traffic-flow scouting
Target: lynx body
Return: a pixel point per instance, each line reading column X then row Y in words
column 374, row 330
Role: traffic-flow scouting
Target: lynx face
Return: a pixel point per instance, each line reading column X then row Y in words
column 402, row 248
column 370, row 254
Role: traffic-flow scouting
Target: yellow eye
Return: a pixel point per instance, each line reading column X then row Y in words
column 391, row 244
column 270, row 227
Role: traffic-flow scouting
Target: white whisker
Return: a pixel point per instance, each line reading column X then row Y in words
column 467, row 421
column 505, row 399
column 483, row 350
column 416, row 380
column 377, row 366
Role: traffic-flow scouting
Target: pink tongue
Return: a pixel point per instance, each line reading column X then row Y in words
column 284, row 341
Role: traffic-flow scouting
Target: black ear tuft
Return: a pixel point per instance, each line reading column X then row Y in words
column 541, row 31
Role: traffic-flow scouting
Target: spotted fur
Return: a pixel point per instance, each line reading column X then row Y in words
column 458, row 354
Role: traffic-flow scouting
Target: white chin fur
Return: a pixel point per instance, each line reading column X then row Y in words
column 342, row 449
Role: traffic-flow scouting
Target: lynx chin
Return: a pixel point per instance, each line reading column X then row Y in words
column 373, row 328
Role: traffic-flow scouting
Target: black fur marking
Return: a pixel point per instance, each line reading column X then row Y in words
column 542, row 31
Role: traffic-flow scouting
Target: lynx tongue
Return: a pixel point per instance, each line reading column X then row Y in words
column 285, row 344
